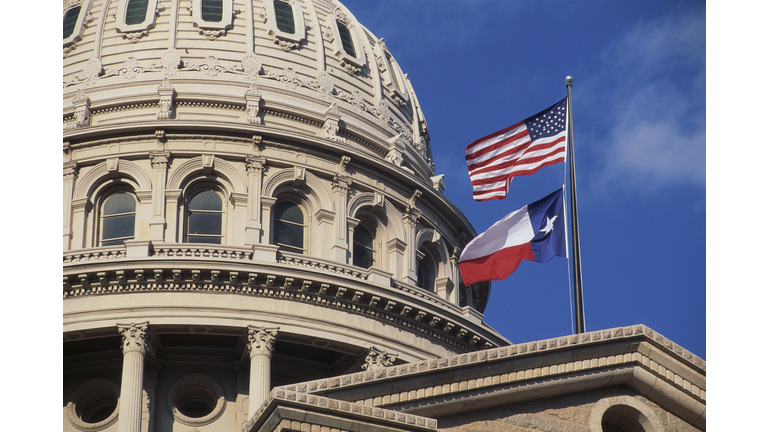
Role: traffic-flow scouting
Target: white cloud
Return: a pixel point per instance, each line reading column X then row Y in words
column 656, row 114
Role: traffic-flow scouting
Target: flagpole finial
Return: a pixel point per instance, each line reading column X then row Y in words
column 569, row 80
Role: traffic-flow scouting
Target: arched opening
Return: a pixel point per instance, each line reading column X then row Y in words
column 363, row 251
column 289, row 227
column 118, row 218
column 205, row 215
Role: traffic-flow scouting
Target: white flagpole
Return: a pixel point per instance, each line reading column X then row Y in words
column 577, row 291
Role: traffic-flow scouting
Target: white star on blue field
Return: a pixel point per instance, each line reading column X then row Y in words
column 639, row 130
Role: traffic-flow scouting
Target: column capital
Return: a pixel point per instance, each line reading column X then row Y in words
column 70, row 170
column 159, row 159
column 254, row 164
column 377, row 359
column 136, row 337
column 261, row 340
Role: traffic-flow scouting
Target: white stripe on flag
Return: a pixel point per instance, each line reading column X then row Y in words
column 513, row 230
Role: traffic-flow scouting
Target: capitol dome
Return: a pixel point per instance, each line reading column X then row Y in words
column 250, row 201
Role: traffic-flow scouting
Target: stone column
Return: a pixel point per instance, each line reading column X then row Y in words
column 159, row 160
column 135, row 343
column 260, row 347
column 254, row 165
column 341, row 184
column 70, row 173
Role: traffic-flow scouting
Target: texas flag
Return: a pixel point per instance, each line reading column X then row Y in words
column 536, row 232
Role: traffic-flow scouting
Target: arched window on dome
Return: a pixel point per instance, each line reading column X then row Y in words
column 285, row 23
column 212, row 10
column 205, row 215
column 363, row 251
column 135, row 15
column 70, row 19
column 212, row 15
column 425, row 273
column 284, row 15
column 289, row 227
column 347, row 41
column 136, row 11
column 74, row 17
column 117, row 218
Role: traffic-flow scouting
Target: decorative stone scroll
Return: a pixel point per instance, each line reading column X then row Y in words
column 82, row 111
column 252, row 102
column 378, row 359
column 331, row 125
column 166, row 93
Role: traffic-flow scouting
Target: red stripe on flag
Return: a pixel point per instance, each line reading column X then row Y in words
column 496, row 266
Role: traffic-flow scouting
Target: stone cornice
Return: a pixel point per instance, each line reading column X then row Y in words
column 634, row 356
column 317, row 282
column 275, row 414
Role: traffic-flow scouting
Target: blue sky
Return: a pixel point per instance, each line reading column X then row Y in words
column 639, row 98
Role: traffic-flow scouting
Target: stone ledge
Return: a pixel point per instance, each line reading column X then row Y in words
column 301, row 411
column 531, row 348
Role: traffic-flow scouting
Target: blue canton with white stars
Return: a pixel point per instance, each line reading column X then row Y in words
column 547, row 123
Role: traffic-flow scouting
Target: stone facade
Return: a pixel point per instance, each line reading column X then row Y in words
column 255, row 238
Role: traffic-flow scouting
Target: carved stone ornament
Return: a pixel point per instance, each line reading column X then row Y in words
column 92, row 70
column 171, row 61
column 331, row 125
column 438, row 182
column 251, row 66
column 325, row 85
column 341, row 16
column 82, row 111
column 395, row 158
column 166, row 92
column 135, row 337
column 261, row 341
column 378, row 359
column 252, row 102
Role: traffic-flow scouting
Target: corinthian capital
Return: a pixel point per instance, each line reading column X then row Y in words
column 135, row 337
column 261, row 340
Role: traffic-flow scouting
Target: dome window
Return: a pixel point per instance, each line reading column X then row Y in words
column 136, row 11
column 118, row 218
column 205, row 217
column 346, row 40
column 136, row 15
column 215, row 16
column 285, row 23
column 70, row 19
column 284, row 14
column 289, row 227
column 74, row 20
column 362, row 247
column 212, row 10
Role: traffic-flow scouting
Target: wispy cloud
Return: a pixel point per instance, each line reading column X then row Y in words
column 656, row 133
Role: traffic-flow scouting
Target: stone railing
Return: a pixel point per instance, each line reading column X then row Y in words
column 319, row 264
column 95, row 254
column 202, row 251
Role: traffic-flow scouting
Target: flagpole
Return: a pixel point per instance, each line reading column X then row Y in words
column 577, row 292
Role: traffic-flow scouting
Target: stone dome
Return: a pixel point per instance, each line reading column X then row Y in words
column 249, row 201
column 330, row 77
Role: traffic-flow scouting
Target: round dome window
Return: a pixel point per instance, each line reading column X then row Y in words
column 196, row 400
column 94, row 405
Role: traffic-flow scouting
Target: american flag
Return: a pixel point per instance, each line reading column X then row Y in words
column 520, row 149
